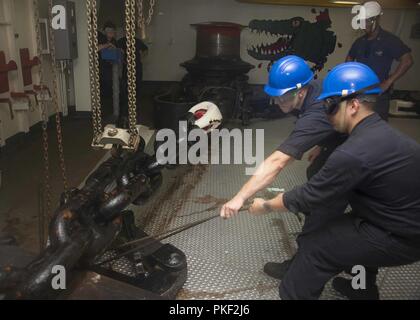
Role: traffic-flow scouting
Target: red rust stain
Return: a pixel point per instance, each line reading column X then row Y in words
column 210, row 199
column 185, row 184
column 185, row 294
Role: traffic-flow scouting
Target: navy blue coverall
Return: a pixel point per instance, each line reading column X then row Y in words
column 379, row 54
column 313, row 128
column 378, row 170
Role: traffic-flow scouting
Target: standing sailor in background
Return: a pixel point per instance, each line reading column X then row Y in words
column 106, row 40
column 378, row 49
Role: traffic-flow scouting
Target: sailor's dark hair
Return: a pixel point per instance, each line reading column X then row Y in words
column 367, row 100
column 109, row 24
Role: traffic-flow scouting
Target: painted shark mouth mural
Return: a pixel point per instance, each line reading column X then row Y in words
column 310, row 40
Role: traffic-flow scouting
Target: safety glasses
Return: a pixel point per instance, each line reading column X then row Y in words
column 286, row 97
column 371, row 20
column 332, row 103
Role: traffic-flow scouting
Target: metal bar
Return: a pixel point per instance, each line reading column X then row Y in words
column 161, row 236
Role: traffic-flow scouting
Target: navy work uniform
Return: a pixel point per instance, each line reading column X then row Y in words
column 379, row 54
column 378, row 169
column 105, row 68
column 313, row 128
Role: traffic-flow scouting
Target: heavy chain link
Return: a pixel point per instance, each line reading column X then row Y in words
column 47, row 188
column 94, row 69
column 55, row 101
column 130, row 23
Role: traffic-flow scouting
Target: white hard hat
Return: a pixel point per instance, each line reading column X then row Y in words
column 207, row 116
column 372, row 9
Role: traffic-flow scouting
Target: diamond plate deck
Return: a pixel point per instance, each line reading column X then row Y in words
column 225, row 258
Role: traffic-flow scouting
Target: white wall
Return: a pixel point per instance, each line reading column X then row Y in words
column 81, row 64
column 173, row 40
column 20, row 33
column 411, row 80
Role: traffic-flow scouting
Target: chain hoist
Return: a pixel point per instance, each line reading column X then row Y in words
column 94, row 70
column 130, row 24
column 110, row 136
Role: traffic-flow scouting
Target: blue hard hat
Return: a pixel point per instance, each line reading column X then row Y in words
column 288, row 73
column 347, row 78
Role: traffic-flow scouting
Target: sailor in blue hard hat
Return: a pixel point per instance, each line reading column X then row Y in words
column 287, row 83
column 377, row 169
column 292, row 86
column 344, row 82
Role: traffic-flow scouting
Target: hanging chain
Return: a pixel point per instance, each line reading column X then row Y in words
column 151, row 11
column 130, row 22
column 90, row 55
column 96, row 66
column 142, row 22
column 94, row 69
column 55, row 101
column 140, row 15
column 47, row 188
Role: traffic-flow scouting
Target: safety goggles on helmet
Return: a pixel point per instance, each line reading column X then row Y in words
column 332, row 103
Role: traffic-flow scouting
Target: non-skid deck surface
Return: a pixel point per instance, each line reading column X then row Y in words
column 226, row 258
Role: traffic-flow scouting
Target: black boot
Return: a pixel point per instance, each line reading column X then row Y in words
column 277, row 270
column 344, row 287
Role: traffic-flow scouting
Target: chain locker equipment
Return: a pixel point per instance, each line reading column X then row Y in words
column 55, row 101
column 46, row 212
column 130, row 25
column 92, row 20
column 112, row 135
